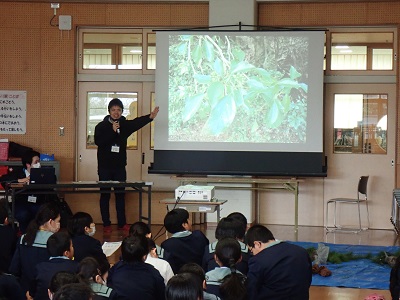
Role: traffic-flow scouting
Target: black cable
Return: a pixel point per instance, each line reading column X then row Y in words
column 51, row 21
column 159, row 234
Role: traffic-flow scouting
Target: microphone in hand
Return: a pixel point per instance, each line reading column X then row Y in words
column 117, row 124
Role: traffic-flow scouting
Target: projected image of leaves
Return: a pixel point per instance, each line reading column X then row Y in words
column 238, row 89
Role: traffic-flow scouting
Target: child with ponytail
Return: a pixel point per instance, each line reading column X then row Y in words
column 226, row 281
column 32, row 247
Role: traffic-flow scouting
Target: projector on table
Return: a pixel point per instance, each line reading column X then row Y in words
column 194, row 193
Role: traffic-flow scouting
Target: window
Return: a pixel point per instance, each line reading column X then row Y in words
column 117, row 51
column 97, row 103
column 360, row 123
column 362, row 51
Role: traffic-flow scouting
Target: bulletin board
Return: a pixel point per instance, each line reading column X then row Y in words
column 13, row 112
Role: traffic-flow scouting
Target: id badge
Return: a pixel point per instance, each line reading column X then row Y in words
column 115, row 149
column 32, row 199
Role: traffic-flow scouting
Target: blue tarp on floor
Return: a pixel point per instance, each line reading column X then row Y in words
column 362, row 273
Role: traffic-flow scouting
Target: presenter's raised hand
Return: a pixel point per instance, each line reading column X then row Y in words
column 154, row 113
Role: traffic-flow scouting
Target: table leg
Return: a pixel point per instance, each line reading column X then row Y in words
column 149, row 206
column 296, row 207
column 140, row 206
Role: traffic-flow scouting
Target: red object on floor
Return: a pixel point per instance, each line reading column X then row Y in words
column 107, row 229
column 126, row 227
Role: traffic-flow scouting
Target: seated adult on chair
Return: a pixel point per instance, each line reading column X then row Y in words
column 26, row 206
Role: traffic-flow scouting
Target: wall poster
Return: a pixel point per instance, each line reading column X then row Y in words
column 12, row 112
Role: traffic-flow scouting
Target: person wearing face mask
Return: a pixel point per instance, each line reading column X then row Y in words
column 26, row 206
column 95, row 274
column 81, row 228
column 32, row 246
column 111, row 136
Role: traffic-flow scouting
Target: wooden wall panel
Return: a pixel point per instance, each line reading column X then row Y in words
column 190, row 15
column 329, row 14
column 40, row 59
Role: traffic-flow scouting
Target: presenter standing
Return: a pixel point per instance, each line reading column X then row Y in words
column 111, row 136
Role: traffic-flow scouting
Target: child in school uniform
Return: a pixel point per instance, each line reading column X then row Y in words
column 95, row 274
column 31, row 248
column 61, row 251
column 131, row 277
column 161, row 265
column 227, row 228
column 184, row 246
column 141, row 228
column 82, row 228
column 8, row 236
column 394, row 285
column 226, row 281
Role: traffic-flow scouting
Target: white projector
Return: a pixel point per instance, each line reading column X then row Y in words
column 194, row 193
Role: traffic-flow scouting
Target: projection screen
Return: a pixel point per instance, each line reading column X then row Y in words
column 239, row 103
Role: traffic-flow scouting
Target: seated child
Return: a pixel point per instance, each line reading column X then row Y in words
column 225, row 281
column 184, row 286
column 141, row 228
column 161, row 265
column 8, row 236
column 227, row 227
column 184, row 246
column 31, row 248
column 61, row 251
column 60, row 279
column 81, row 228
column 74, row 291
column 96, row 275
column 199, row 272
column 10, row 287
column 394, row 285
column 242, row 219
column 147, row 284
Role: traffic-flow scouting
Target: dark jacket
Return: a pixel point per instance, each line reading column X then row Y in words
column 279, row 272
column 8, row 238
column 25, row 259
column 105, row 137
column 139, row 281
column 85, row 246
column 10, row 288
column 184, row 247
column 45, row 271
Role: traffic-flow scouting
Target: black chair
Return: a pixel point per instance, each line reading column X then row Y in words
column 361, row 199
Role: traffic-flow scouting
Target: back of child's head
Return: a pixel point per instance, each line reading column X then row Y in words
column 78, row 222
column 229, row 253
column 228, row 227
column 193, row 268
column 62, row 278
column 58, row 243
column 74, row 291
column 240, row 218
column 259, row 233
column 134, row 248
column 89, row 268
column 47, row 211
column 184, row 286
column 139, row 228
column 175, row 219
column 3, row 210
